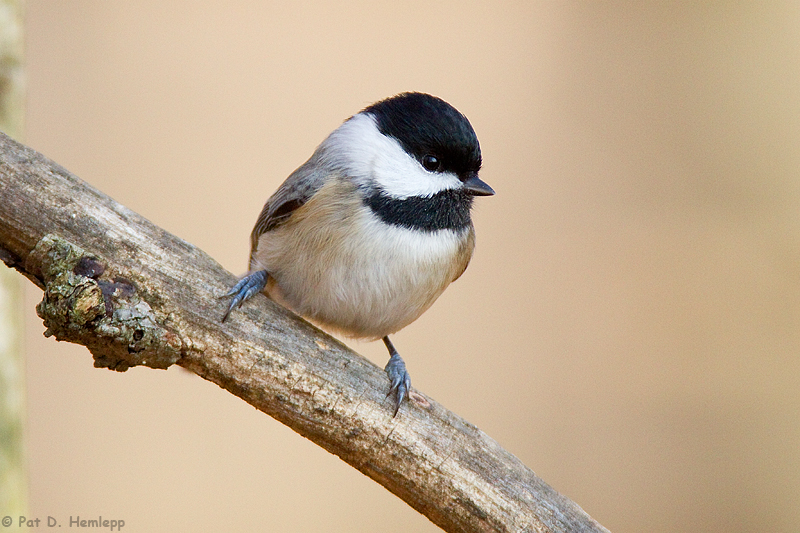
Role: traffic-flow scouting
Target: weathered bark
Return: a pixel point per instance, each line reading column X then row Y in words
column 136, row 295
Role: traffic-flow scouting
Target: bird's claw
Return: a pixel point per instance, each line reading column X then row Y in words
column 246, row 288
column 400, row 379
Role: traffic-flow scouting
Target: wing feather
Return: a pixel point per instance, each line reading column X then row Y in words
column 298, row 188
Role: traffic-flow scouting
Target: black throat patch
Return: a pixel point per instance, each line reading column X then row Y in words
column 448, row 209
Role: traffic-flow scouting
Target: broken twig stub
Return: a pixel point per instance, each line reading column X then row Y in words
column 84, row 301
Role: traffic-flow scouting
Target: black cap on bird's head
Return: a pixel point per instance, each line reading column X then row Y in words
column 435, row 133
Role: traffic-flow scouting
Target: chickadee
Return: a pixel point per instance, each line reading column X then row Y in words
column 366, row 234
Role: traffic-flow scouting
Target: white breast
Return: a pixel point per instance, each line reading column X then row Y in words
column 335, row 263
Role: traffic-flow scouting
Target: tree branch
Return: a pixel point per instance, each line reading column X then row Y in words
column 136, row 295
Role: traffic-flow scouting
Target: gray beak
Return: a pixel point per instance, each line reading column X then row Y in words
column 476, row 187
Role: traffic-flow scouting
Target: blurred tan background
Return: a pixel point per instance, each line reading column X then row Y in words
column 629, row 326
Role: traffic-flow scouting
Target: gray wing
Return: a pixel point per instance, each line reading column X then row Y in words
column 298, row 188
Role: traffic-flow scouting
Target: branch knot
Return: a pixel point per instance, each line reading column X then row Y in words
column 82, row 305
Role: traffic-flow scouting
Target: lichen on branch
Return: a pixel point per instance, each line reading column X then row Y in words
column 83, row 304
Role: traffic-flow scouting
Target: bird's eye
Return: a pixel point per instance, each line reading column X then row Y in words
column 431, row 163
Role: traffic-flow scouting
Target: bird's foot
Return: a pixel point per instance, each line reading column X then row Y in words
column 248, row 286
column 398, row 376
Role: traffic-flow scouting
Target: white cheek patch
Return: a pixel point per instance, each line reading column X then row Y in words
column 371, row 158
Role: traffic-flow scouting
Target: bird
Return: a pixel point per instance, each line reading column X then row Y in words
column 363, row 237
